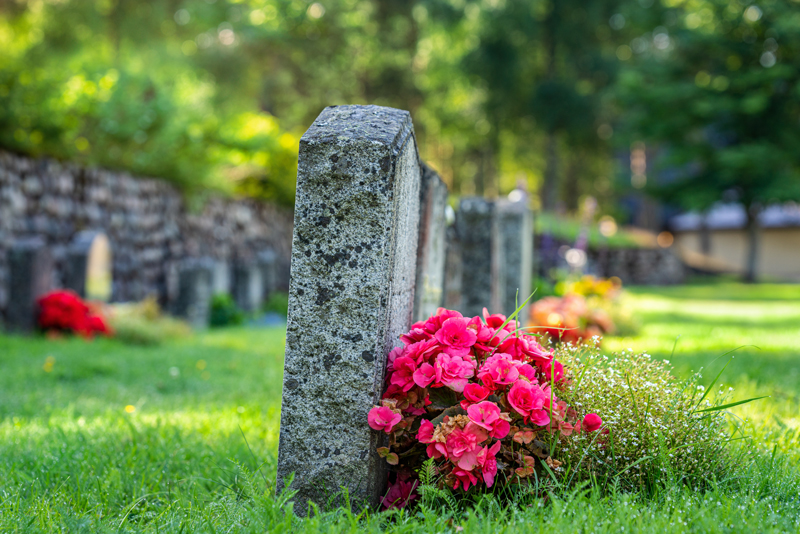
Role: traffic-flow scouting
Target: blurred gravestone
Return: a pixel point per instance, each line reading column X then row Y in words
column 267, row 261
column 193, row 301
column 481, row 257
column 30, row 271
column 88, row 270
column 351, row 295
column 248, row 291
column 221, row 283
column 453, row 270
column 432, row 247
column 515, row 238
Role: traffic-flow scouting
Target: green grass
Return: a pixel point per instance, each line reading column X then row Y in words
column 703, row 322
column 73, row 459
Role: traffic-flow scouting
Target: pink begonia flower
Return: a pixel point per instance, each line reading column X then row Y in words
column 403, row 374
column 537, row 353
column 434, row 323
column 424, row 375
column 474, row 393
column 424, row 351
column 455, row 335
column 495, row 321
column 383, row 418
column 527, row 371
column 553, row 371
column 453, row 371
column 487, row 415
column 436, row 450
column 592, row 422
column 465, row 478
column 566, row 428
column 400, row 494
column 416, row 335
column 498, row 370
column 528, row 400
column 425, row 432
column 393, row 355
column 488, row 462
column 463, row 445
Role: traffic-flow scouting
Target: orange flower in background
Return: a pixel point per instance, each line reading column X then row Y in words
column 569, row 318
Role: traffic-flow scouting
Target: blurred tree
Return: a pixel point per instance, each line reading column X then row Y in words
column 542, row 69
column 720, row 91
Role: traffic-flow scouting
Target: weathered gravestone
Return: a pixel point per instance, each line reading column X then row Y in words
column 432, row 247
column 351, row 296
column 453, row 269
column 193, row 300
column 481, row 257
column 515, row 238
column 30, row 272
column 88, row 269
column 247, row 289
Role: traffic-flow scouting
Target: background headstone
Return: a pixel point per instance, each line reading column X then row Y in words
column 515, row 236
column 221, row 283
column 481, row 257
column 248, row 291
column 351, row 295
column 432, row 246
column 88, row 269
column 453, row 270
column 30, row 272
column 268, row 263
column 194, row 291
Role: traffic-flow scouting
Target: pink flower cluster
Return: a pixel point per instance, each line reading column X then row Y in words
column 472, row 393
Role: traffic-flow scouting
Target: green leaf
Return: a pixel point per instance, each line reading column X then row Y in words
column 441, row 398
column 730, row 405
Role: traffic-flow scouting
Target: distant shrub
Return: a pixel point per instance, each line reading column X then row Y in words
column 278, row 302
column 224, row 311
column 143, row 323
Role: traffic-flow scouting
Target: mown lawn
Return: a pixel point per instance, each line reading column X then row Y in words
column 103, row 437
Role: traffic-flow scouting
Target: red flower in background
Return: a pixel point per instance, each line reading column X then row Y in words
column 65, row 310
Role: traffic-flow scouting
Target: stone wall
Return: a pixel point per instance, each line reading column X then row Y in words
column 147, row 221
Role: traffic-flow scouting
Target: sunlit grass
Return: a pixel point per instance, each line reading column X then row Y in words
column 196, row 448
column 701, row 323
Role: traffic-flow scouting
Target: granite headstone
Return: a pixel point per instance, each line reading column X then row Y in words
column 351, row 296
column 193, row 301
column 30, row 276
column 88, row 269
column 432, row 247
column 268, row 263
column 481, row 256
column 247, row 288
column 515, row 237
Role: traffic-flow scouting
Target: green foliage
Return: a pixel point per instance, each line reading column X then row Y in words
column 224, row 311
column 278, row 302
column 76, row 84
column 723, row 99
column 142, row 323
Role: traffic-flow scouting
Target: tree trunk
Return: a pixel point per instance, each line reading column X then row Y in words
column 750, row 274
column 549, row 194
column 572, row 187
